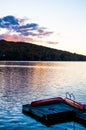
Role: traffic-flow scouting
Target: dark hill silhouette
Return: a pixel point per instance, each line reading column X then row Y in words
column 20, row 51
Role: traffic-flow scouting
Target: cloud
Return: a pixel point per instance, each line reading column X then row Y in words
column 17, row 38
column 50, row 42
column 8, row 22
column 11, row 20
column 20, row 29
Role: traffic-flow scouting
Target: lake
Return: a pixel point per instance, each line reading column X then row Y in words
column 23, row 82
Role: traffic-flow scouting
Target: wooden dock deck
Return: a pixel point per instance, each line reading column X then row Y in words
column 81, row 117
column 60, row 112
column 50, row 114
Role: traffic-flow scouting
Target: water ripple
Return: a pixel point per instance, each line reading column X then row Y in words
column 23, row 82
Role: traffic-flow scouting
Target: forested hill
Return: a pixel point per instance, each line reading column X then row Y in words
column 20, row 51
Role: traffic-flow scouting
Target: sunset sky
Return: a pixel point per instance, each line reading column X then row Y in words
column 60, row 24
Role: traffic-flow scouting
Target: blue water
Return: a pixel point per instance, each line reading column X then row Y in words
column 23, row 82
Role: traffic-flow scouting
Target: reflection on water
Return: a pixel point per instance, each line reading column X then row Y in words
column 23, row 82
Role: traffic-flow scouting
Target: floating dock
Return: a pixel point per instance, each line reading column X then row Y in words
column 49, row 112
column 81, row 117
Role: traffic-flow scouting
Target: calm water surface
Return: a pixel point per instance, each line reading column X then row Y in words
column 23, row 82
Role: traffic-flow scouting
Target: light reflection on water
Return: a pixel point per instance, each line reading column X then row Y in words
column 23, row 82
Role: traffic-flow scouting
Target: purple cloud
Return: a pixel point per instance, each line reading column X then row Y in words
column 20, row 29
column 12, row 23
